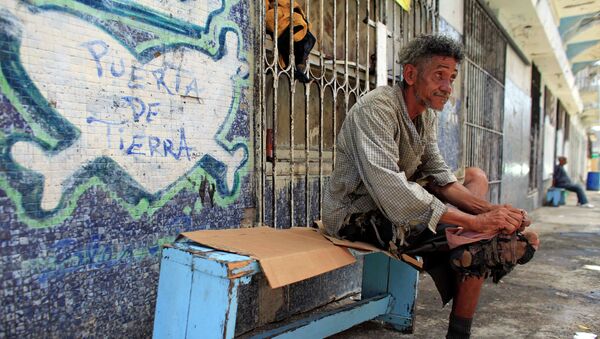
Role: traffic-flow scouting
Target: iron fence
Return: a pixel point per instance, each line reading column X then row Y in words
column 297, row 122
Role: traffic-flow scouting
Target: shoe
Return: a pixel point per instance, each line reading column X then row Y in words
column 588, row 205
column 494, row 257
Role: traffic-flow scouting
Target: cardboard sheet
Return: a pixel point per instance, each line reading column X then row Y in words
column 285, row 256
column 366, row 247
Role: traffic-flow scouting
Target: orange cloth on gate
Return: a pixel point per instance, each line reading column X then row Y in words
column 283, row 20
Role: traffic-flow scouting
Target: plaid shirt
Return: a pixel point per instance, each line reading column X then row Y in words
column 380, row 155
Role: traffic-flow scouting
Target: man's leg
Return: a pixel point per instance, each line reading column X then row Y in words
column 464, row 306
column 476, row 181
column 581, row 198
column 468, row 289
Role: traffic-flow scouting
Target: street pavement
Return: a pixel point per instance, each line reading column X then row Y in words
column 556, row 295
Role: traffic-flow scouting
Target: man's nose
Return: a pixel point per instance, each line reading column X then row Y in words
column 446, row 86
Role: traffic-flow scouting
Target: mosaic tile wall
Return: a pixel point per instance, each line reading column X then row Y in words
column 122, row 123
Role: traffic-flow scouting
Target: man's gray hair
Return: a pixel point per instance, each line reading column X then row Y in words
column 426, row 46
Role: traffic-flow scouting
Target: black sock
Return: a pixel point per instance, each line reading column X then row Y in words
column 459, row 327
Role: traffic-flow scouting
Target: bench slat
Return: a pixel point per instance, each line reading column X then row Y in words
column 332, row 322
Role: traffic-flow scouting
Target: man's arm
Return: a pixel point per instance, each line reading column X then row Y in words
column 504, row 220
column 476, row 214
column 458, row 195
column 473, row 213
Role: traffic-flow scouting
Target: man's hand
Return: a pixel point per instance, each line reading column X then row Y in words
column 498, row 219
column 526, row 221
column 502, row 219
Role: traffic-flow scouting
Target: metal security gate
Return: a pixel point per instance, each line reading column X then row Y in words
column 296, row 123
column 485, row 48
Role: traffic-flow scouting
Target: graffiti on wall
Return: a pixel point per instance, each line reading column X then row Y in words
column 122, row 96
column 68, row 255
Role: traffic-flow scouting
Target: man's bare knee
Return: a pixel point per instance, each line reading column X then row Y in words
column 476, row 181
column 475, row 174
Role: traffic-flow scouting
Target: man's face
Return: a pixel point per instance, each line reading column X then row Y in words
column 433, row 85
column 562, row 161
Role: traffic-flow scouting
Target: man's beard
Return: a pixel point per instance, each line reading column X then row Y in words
column 423, row 102
column 427, row 103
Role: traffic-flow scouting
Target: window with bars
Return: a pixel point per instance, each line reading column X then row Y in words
column 485, row 49
column 561, row 130
column 549, row 128
column 536, row 141
column 567, row 126
column 550, row 107
column 297, row 123
column 560, row 116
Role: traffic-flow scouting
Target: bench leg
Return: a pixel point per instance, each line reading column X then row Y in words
column 195, row 300
column 213, row 307
column 382, row 275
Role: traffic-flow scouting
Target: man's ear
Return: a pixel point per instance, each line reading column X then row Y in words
column 409, row 72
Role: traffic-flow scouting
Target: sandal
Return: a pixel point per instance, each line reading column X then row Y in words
column 495, row 257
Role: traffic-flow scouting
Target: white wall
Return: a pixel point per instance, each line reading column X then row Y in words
column 453, row 12
column 517, row 130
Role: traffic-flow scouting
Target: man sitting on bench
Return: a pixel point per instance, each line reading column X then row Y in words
column 386, row 144
column 560, row 179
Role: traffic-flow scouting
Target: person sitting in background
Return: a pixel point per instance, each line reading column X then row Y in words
column 560, row 179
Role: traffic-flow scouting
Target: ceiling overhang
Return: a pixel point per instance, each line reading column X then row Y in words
column 533, row 27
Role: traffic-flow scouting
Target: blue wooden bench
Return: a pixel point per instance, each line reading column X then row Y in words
column 198, row 296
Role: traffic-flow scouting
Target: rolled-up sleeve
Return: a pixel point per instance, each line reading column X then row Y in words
column 376, row 153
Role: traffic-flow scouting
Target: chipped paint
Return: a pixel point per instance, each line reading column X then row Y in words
column 241, row 268
column 232, row 296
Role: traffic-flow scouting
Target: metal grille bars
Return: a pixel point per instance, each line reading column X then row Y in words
column 297, row 123
column 484, row 95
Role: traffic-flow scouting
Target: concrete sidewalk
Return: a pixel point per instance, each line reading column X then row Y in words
column 554, row 296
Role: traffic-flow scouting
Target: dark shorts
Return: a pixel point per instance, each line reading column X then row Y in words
column 374, row 228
